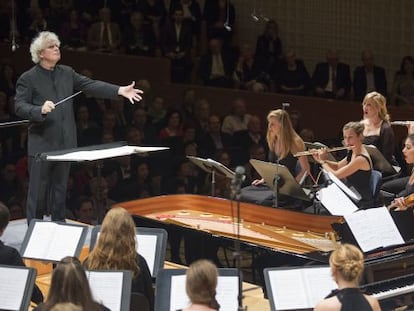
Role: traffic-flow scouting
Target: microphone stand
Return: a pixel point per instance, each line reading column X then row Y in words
column 236, row 194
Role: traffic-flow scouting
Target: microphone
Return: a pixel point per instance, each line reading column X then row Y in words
column 285, row 106
column 239, row 177
column 227, row 27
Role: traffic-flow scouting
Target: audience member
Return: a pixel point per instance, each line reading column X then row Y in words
column 238, row 119
column 176, row 43
column 217, row 66
column 269, row 48
column 347, row 265
column 247, row 74
column 118, row 236
column 154, row 13
column 369, row 77
column 139, row 38
column 10, row 256
column 332, row 79
column 402, row 93
column 104, row 35
column 69, row 284
column 84, row 211
column 292, row 76
column 74, row 32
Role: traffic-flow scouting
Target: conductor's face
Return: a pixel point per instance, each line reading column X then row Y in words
column 50, row 55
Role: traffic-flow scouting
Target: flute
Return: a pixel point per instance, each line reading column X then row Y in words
column 404, row 123
column 309, row 152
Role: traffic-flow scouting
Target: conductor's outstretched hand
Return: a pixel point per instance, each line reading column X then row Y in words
column 131, row 93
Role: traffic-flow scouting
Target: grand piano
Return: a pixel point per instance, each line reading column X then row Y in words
column 293, row 236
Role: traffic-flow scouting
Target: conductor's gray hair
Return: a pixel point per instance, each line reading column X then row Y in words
column 40, row 42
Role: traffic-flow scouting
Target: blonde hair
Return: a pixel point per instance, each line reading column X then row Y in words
column 201, row 283
column 287, row 136
column 116, row 245
column 381, row 104
column 348, row 261
column 39, row 43
column 357, row 127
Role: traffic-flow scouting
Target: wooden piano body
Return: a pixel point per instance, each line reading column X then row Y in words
column 276, row 229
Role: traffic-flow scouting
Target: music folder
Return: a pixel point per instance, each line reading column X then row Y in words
column 112, row 288
column 210, row 165
column 171, row 294
column 51, row 241
column 297, row 288
column 16, row 287
column 287, row 184
column 151, row 244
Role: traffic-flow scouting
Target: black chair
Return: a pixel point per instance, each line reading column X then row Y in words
column 139, row 302
column 376, row 182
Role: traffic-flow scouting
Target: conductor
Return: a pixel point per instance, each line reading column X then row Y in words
column 53, row 127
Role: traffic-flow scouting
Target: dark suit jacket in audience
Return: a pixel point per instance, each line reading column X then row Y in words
column 320, row 76
column 360, row 82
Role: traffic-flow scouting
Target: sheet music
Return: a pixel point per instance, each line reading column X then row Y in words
column 92, row 155
column 106, row 288
column 178, row 297
column 13, row 284
column 227, row 292
column 336, row 201
column 146, row 247
column 374, row 228
column 294, row 289
column 51, row 241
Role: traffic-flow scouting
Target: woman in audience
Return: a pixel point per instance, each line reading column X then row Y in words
column 403, row 86
column 347, row 265
column 356, row 167
column 116, row 250
column 201, row 286
column 69, row 284
column 377, row 128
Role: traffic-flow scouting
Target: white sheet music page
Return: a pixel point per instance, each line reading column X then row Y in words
column 294, row 289
column 146, row 247
column 336, row 201
column 227, row 292
column 13, row 283
column 92, row 155
column 178, row 297
column 51, row 241
column 374, row 228
column 106, row 288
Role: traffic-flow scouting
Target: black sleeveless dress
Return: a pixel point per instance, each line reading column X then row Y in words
column 351, row 299
column 361, row 181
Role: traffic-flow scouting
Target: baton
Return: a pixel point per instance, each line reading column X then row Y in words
column 67, row 98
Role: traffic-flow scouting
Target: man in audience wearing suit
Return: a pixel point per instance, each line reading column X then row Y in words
column 10, row 256
column 332, row 79
column 368, row 77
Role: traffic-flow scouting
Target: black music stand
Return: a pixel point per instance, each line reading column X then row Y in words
column 212, row 167
column 287, row 184
column 97, row 153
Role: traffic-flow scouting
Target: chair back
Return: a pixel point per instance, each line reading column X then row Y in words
column 139, row 302
column 376, row 181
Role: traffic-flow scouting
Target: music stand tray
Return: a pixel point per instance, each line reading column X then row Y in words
column 210, row 165
column 287, row 184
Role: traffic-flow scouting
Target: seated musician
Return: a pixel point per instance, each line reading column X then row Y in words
column 116, row 249
column 201, row 283
column 356, row 167
column 10, row 256
column 405, row 199
column 377, row 128
column 284, row 142
column 347, row 265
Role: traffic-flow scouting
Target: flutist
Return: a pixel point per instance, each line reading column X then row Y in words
column 356, row 167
